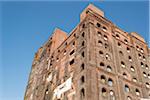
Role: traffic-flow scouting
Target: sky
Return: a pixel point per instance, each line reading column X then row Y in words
column 25, row 26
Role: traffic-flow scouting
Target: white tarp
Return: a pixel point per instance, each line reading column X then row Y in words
column 62, row 88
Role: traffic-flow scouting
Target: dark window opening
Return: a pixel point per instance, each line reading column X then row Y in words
column 82, row 54
column 82, row 66
column 82, row 79
column 71, row 52
column 83, row 26
column 72, row 61
column 83, row 34
column 98, row 25
column 83, row 43
column 101, row 52
column 104, row 91
column 82, row 93
column 102, row 64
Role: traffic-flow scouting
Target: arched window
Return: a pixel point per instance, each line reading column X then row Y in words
column 137, row 92
column 144, row 74
column 99, row 33
column 103, row 79
column 129, row 98
column 104, row 92
column 105, row 38
column 126, row 88
column 110, row 82
column 125, row 75
column 83, row 34
column 126, row 41
column 98, row 25
column 82, row 66
column 130, row 59
column 132, row 68
column 128, row 49
column 82, row 79
column 142, row 64
column 119, row 44
column 123, row 64
column 102, row 64
column 82, row 93
column 134, row 80
column 100, row 42
column 117, row 36
column 108, row 56
column 109, row 69
column 83, row 43
column 147, row 85
column 101, row 52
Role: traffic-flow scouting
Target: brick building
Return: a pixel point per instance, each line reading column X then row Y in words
column 97, row 61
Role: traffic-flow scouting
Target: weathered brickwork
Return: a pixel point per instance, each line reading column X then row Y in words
column 97, row 61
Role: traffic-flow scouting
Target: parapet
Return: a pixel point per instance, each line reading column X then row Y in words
column 91, row 8
column 136, row 35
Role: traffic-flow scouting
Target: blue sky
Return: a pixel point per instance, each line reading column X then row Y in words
column 25, row 26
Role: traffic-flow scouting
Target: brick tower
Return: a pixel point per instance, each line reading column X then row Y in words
column 97, row 61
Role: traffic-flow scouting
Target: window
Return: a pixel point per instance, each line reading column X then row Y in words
column 106, row 45
column 142, row 50
column 108, row 56
column 72, row 61
column 104, row 28
column 82, row 79
column 137, row 48
column 100, row 43
column 123, row 64
column 83, row 34
column 130, row 59
column 71, row 52
column 125, row 75
column 111, row 92
column 126, row 88
column 117, row 36
column 126, row 41
column 82, row 93
column 103, row 79
column 82, row 54
column 110, row 82
column 139, row 55
column 128, row 49
column 129, row 98
column 109, row 69
column 146, row 66
column 73, row 43
column 99, row 33
column 142, row 64
column 134, row 80
column 132, row 68
column 105, row 38
column 64, row 52
column 121, row 53
column 144, row 74
column 83, row 25
column 119, row 44
column 147, row 85
column 137, row 92
column 144, row 58
column 82, row 66
column 101, row 52
column 104, row 92
column 102, row 64
column 98, row 25
column 46, row 92
column 148, row 76
column 83, row 43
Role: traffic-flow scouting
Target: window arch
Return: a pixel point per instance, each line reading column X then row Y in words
column 103, row 79
column 104, row 91
column 110, row 82
column 117, row 36
column 137, row 92
column 134, row 80
column 82, row 93
column 123, row 64
column 98, row 25
column 82, row 79
column 132, row 68
column 126, row 88
column 125, row 75
column 144, row 74
column 102, row 64
column 128, row 49
column 100, row 42
column 105, row 38
column 130, row 59
column 147, row 85
column 109, row 69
